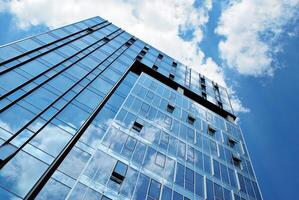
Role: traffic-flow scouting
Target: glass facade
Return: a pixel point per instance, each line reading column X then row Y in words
column 88, row 111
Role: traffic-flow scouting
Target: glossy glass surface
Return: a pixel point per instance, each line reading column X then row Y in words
column 56, row 84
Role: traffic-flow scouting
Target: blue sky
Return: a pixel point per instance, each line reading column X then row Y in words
column 251, row 47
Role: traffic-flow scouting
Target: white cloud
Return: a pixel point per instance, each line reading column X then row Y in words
column 243, row 23
column 156, row 22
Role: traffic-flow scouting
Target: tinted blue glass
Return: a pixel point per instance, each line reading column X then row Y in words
column 177, row 196
column 189, row 180
column 210, row 190
column 74, row 163
column 180, row 175
column 17, row 177
column 11, row 80
column 166, row 194
column 154, row 189
column 141, row 187
column 129, row 183
column 53, row 190
column 7, row 195
column 13, row 122
column 51, row 139
column 199, row 185
column 73, row 116
column 8, row 52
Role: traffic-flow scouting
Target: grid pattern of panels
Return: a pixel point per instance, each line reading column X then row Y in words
column 135, row 138
column 73, row 38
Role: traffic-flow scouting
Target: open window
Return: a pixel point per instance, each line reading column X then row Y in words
column 143, row 52
column 236, row 160
column 170, row 107
column 155, row 67
column 174, row 64
column 139, row 57
column 89, row 29
column 105, row 39
column 137, row 126
column 190, row 119
column 231, row 142
column 119, row 172
column 171, row 76
column 160, row 56
column 211, row 130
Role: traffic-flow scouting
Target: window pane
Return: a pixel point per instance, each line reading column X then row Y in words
column 51, row 139
column 141, row 187
column 16, row 176
column 74, row 162
column 154, row 190
column 53, row 190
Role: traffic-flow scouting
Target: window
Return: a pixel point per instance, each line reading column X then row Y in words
column 170, row 107
column 160, row 159
column 191, row 119
column 171, row 76
column 130, row 143
column 174, row 64
column 211, row 130
column 160, row 56
column 137, row 126
column 105, row 39
column 231, row 142
column 89, row 30
column 139, row 58
column 128, row 44
column 154, row 190
column 189, row 179
column 155, row 67
column 236, row 160
column 143, row 52
column 6, row 151
column 119, row 172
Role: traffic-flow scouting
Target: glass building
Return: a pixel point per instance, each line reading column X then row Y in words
column 88, row 111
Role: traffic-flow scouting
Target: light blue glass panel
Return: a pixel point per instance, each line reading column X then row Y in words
column 53, row 190
column 21, row 173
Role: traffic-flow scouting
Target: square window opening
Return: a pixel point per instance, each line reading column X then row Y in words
column 171, row 76
column 191, row 119
column 160, row 56
column 137, row 126
column 211, row 130
column 139, row 57
column 170, row 107
column 155, row 67
column 231, row 142
column 119, row 172
column 105, row 39
column 236, row 160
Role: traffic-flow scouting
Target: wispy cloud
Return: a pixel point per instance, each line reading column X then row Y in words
column 252, row 29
